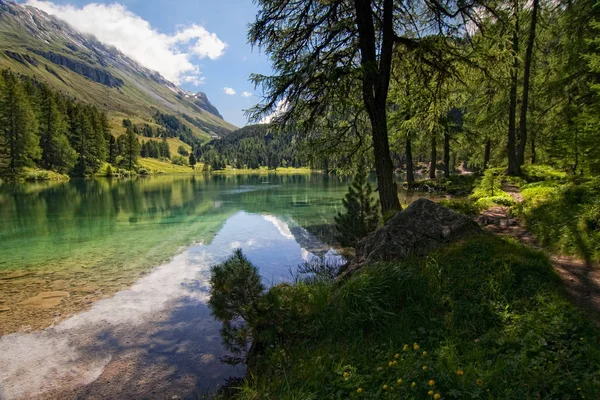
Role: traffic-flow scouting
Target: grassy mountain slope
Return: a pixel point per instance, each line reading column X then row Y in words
column 38, row 45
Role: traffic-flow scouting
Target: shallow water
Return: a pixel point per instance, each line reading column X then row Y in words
column 116, row 272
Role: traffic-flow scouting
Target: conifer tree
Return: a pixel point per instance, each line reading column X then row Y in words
column 57, row 152
column 192, row 160
column 131, row 150
column 113, row 151
column 360, row 217
column 18, row 125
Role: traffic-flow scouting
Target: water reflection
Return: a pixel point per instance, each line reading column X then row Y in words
column 157, row 337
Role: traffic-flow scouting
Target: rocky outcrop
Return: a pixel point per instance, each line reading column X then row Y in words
column 81, row 68
column 22, row 58
column 422, row 227
column 201, row 100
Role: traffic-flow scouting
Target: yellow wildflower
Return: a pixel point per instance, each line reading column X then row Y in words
column 394, row 362
column 479, row 382
column 416, row 347
column 399, row 381
column 405, row 348
column 424, row 354
column 397, row 356
column 390, row 363
column 359, row 390
column 425, row 368
column 385, row 387
column 431, row 382
column 413, row 384
column 460, row 372
column 430, row 393
column 346, row 374
column 578, row 389
column 437, row 396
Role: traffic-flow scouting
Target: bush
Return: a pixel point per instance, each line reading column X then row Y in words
column 234, row 294
column 178, row 160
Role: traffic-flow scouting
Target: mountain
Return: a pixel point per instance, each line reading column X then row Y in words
column 36, row 44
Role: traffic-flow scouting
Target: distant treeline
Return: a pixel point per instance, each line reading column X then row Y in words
column 251, row 147
column 41, row 127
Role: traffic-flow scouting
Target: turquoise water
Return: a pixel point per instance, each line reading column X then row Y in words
column 117, row 272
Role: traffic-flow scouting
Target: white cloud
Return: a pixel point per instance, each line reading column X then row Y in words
column 246, row 94
column 113, row 24
column 229, row 91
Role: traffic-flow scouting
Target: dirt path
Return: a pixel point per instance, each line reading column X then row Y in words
column 581, row 280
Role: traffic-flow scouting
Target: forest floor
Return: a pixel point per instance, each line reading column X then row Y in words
column 581, row 278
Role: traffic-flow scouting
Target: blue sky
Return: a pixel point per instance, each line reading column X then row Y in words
column 197, row 40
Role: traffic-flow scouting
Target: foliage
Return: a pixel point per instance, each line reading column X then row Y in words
column 131, row 149
column 235, row 289
column 183, row 151
column 252, row 147
column 179, row 160
column 360, row 217
column 463, row 206
column 564, row 216
column 18, row 139
column 45, row 128
column 485, row 318
column 155, row 149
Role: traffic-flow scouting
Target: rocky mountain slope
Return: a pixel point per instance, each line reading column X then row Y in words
column 39, row 45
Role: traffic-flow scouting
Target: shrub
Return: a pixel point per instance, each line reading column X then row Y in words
column 361, row 215
column 178, row 160
column 234, row 294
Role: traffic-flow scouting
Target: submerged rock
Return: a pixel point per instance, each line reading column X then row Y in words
column 422, row 227
column 45, row 299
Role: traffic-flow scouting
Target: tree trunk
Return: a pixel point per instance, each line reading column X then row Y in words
column 513, row 165
column 410, row 175
column 375, row 86
column 433, row 158
column 486, row 153
column 533, row 155
column 446, row 154
column 526, row 79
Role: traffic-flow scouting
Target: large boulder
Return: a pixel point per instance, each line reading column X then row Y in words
column 422, row 227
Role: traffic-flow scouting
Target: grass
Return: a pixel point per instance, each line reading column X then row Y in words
column 564, row 216
column 155, row 166
column 482, row 319
column 38, row 174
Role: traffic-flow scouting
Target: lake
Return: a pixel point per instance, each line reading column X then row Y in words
column 104, row 283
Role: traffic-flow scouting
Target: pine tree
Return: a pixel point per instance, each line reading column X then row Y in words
column 113, row 151
column 361, row 215
column 192, row 160
column 18, row 125
column 57, row 152
column 131, row 150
